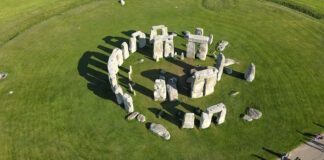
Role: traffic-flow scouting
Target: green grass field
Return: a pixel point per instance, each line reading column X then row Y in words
column 62, row 106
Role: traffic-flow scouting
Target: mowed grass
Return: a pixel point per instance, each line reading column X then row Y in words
column 63, row 108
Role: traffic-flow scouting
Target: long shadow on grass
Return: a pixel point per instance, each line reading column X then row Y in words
column 123, row 81
column 278, row 155
column 322, row 126
column 97, row 74
column 257, row 156
column 236, row 74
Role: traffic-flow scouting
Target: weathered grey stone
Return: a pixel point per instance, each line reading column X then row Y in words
column 169, row 48
column 191, row 52
column 141, row 60
column 203, row 82
column 154, row 31
column 3, row 75
column 125, row 51
column 132, row 116
column 220, row 109
column 229, row 62
column 211, row 38
column 130, row 73
column 205, row 120
column 172, row 89
column 119, row 56
column 112, row 79
column 186, row 34
column 222, row 45
column 220, row 65
column 250, row 73
column 112, row 65
column 199, row 31
column 132, row 45
column 141, row 118
column 142, row 38
column 118, row 93
column 228, row 70
column 158, row 50
column 182, row 56
column 159, row 90
column 254, row 113
column 247, row 118
column 160, row 130
column 122, row 2
column 202, row 52
column 235, row 93
column 130, row 87
column 128, row 103
column 188, row 120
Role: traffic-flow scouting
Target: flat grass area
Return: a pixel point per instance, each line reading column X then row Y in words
column 62, row 106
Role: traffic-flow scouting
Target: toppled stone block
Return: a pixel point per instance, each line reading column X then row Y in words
column 188, row 120
column 247, row 118
column 229, row 62
column 254, row 113
column 128, row 103
column 222, row 45
column 159, row 90
column 250, row 73
column 132, row 116
column 141, row 118
column 3, row 75
column 160, row 130
column 172, row 89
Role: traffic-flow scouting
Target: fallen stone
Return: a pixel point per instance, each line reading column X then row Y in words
column 132, row 116
column 235, row 93
column 141, row 60
column 160, row 130
column 188, row 120
column 3, row 75
column 247, row 118
column 254, row 113
column 182, row 56
column 229, row 62
column 222, row 45
column 122, row 2
column 11, row 92
column 141, row 118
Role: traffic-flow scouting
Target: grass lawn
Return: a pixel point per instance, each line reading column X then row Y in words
column 63, row 108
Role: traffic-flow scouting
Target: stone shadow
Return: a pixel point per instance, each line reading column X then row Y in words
column 236, row 74
column 307, row 134
column 182, row 86
column 259, row 157
column 123, row 81
column 97, row 80
column 317, row 124
column 278, row 155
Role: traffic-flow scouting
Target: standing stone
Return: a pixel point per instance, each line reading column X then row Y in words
column 130, row 73
column 210, row 82
column 172, row 89
column 250, row 73
column 188, row 120
column 124, row 47
column 182, row 56
column 141, row 118
column 119, row 94
column 199, row 31
column 158, row 50
column 220, row 65
column 220, row 109
column 128, row 103
column 205, row 120
column 202, row 52
column 119, row 56
column 211, row 38
column 152, row 35
column 142, row 40
column 112, row 80
column 132, row 45
column 159, row 90
column 191, row 51
column 169, row 48
column 112, row 64
column 203, row 82
column 160, row 130
column 130, row 87
column 122, row 2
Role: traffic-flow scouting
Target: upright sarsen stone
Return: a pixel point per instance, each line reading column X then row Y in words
column 132, row 45
column 119, row 94
column 202, row 52
column 205, row 120
column 220, row 65
column 191, row 52
column 188, row 120
column 159, row 90
column 250, row 73
column 158, row 50
column 124, row 47
column 128, row 103
column 169, row 48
